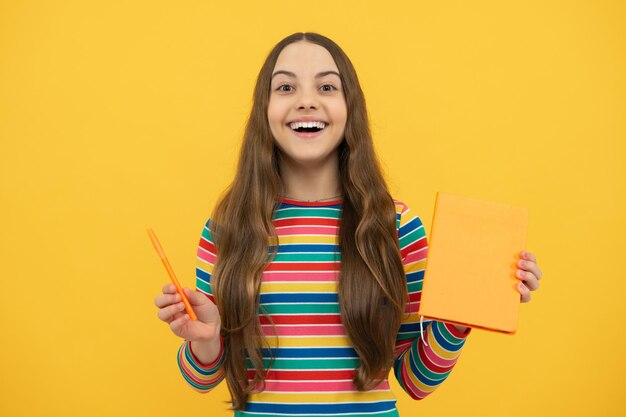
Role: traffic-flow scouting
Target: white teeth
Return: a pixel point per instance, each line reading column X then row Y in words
column 296, row 125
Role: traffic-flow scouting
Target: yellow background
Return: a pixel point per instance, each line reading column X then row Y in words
column 118, row 115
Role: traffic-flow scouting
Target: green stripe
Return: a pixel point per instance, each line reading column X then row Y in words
column 431, row 375
column 445, row 333
column 307, row 212
column 197, row 386
column 425, row 371
column 414, row 236
column 414, row 287
column 307, row 257
column 452, row 339
column 191, row 381
column 203, row 286
column 210, row 372
column 400, row 337
column 301, row 308
column 306, row 364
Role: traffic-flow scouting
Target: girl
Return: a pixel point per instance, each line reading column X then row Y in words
column 309, row 273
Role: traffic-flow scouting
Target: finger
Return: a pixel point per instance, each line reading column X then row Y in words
column 195, row 297
column 524, row 293
column 178, row 315
column 166, row 299
column 530, row 281
column 529, row 256
column 529, row 271
column 530, row 266
column 177, row 324
column 166, row 314
column 169, row 288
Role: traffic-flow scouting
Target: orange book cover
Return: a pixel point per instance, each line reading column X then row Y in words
column 470, row 271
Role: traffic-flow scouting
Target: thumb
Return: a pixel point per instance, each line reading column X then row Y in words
column 195, row 297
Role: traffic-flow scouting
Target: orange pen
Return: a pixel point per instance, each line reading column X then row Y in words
column 170, row 272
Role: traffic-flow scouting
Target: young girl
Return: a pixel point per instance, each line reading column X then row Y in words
column 309, row 273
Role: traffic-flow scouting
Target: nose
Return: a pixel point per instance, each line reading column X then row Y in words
column 307, row 100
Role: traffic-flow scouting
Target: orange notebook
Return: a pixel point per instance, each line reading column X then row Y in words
column 470, row 271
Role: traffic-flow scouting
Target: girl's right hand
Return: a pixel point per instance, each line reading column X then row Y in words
column 172, row 311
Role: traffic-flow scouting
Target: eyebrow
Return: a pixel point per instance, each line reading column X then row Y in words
column 318, row 75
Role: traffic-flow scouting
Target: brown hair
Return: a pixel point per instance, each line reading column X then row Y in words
column 372, row 288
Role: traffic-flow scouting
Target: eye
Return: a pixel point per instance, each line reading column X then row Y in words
column 285, row 88
column 328, row 88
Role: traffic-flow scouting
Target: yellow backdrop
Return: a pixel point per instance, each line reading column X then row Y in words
column 118, row 115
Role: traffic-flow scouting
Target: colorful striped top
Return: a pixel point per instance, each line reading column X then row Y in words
column 313, row 357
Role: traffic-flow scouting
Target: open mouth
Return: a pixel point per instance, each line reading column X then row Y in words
column 307, row 127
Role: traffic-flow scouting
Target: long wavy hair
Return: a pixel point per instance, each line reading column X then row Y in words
column 372, row 288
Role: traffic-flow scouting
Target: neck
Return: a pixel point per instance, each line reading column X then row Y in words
column 311, row 182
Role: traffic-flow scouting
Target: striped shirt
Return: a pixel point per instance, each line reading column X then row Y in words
column 314, row 360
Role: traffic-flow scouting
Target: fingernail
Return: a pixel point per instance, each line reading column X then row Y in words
column 519, row 274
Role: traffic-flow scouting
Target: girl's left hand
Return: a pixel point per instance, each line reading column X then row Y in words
column 529, row 274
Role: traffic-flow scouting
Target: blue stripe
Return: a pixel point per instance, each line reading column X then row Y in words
column 409, row 327
column 442, row 340
column 206, row 232
column 397, row 369
column 425, row 380
column 415, row 371
column 296, row 409
column 204, row 276
column 194, row 384
column 414, row 327
column 310, row 353
column 194, row 365
column 409, row 227
column 415, row 276
column 291, row 298
column 308, row 248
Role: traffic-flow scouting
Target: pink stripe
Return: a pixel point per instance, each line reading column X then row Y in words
column 412, row 307
column 316, row 386
column 301, row 277
column 306, row 230
column 401, row 347
column 415, row 392
column 337, row 330
column 436, row 359
column 186, row 366
column 418, row 255
column 206, row 256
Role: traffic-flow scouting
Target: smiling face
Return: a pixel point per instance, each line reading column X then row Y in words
column 307, row 110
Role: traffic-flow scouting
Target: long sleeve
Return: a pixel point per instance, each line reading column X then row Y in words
column 202, row 378
column 421, row 367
